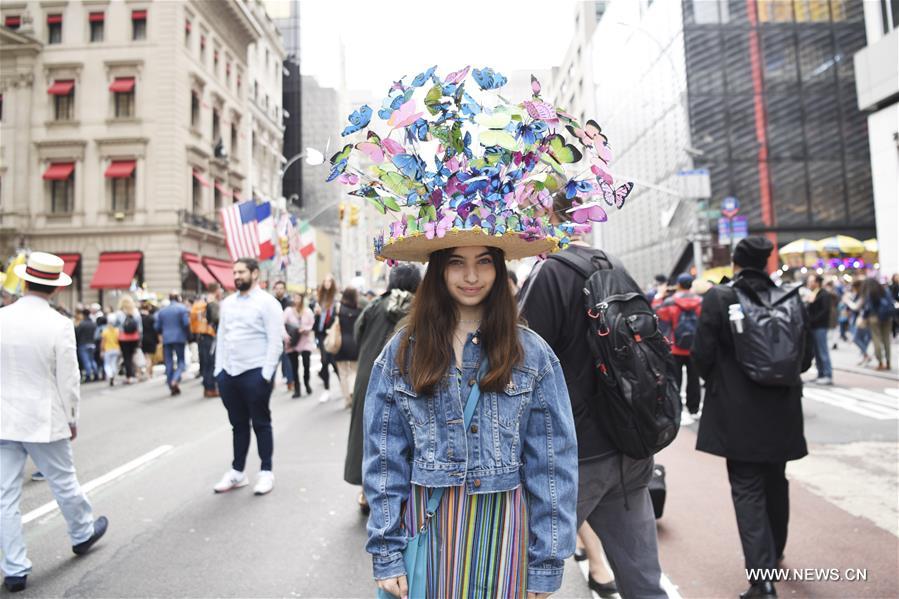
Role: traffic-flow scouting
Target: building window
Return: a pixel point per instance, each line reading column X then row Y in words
column 255, row 90
column 202, row 48
column 63, row 91
column 216, row 125
column 96, row 23
column 228, row 73
column 123, row 96
column 217, row 196
column 196, row 193
column 1, row 107
column 123, row 194
column 12, row 22
column 194, row 109
column 138, row 25
column 889, row 14
column 215, row 62
column 233, row 139
column 187, row 28
column 238, row 83
column 54, row 29
column 62, row 196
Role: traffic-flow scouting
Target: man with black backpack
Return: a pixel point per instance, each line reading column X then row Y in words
column 679, row 319
column 752, row 344
column 583, row 303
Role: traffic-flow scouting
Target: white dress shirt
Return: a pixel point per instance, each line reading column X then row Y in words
column 39, row 377
column 250, row 334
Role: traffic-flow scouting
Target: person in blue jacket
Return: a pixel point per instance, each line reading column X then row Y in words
column 173, row 323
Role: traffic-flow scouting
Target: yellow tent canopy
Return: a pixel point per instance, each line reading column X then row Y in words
column 800, row 246
column 717, row 273
column 841, row 244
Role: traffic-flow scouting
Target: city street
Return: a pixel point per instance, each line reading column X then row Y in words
column 150, row 461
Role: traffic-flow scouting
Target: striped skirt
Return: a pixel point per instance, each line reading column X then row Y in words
column 477, row 544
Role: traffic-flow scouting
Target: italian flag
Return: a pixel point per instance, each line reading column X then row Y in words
column 307, row 240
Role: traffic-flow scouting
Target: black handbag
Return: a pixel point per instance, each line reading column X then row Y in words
column 657, row 490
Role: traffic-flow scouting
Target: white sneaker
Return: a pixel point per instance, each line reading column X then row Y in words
column 232, row 480
column 824, row 381
column 264, row 483
column 324, row 397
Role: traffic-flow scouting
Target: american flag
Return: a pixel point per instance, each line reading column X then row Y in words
column 241, row 235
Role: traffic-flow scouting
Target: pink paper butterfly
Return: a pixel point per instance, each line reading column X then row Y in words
column 601, row 174
column 404, row 116
column 591, row 211
column 615, row 197
column 457, row 76
column 348, row 179
column 540, row 110
column 438, row 228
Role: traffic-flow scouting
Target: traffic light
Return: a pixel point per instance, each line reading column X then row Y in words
column 341, row 208
column 354, row 215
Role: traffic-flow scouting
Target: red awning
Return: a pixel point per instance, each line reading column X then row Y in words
column 222, row 270
column 193, row 263
column 138, row 15
column 54, row 19
column 116, row 270
column 59, row 171
column 97, row 17
column 122, row 85
column 222, row 189
column 71, row 262
column 120, row 169
column 199, row 177
column 13, row 21
column 61, row 87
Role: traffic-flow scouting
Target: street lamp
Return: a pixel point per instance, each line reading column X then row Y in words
column 313, row 158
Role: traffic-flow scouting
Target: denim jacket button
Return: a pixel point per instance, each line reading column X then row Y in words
column 477, row 483
column 471, row 382
column 474, row 428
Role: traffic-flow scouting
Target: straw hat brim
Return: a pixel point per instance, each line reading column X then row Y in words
column 62, row 280
column 418, row 248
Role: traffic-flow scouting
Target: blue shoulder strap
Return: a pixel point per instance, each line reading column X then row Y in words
column 473, row 396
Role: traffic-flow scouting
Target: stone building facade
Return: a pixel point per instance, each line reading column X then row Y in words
column 124, row 127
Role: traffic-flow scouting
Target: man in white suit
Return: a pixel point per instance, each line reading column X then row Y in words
column 39, row 395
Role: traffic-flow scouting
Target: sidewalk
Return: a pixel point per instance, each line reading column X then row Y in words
column 847, row 356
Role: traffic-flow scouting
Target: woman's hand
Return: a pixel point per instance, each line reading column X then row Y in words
column 396, row 586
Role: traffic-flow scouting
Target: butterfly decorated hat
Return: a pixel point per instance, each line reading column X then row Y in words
column 455, row 163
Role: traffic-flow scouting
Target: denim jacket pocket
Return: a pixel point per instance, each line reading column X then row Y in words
column 419, row 411
column 506, row 409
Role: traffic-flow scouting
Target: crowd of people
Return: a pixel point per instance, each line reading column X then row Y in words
column 421, row 348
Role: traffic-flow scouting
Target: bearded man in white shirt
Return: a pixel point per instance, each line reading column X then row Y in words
column 39, row 395
column 249, row 342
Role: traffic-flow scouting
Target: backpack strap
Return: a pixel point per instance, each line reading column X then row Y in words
column 587, row 266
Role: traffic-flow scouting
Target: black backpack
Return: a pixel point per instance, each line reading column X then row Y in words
column 639, row 402
column 771, row 346
column 129, row 325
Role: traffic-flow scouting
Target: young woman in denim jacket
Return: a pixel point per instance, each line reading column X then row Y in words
column 507, row 519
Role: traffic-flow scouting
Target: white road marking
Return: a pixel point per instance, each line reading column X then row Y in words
column 110, row 476
column 879, row 406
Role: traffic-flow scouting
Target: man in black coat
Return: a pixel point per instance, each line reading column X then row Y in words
column 756, row 428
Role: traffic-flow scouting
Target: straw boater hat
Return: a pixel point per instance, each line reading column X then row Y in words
column 44, row 269
column 463, row 171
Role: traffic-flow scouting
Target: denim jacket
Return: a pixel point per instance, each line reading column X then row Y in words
column 522, row 436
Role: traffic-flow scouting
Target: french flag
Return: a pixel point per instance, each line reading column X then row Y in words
column 266, row 230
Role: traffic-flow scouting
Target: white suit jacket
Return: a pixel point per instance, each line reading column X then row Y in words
column 39, row 377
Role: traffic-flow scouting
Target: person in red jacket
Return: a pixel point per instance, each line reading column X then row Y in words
column 679, row 319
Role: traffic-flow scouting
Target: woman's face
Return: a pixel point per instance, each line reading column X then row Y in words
column 328, row 283
column 469, row 275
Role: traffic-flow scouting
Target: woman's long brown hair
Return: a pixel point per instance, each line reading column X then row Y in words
column 433, row 320
column 326, row 296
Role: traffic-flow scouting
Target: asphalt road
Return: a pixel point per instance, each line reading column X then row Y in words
column 170, row 536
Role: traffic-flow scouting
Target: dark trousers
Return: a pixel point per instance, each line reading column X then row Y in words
column 761, row 497
column 205, row 345
column 128, row 350
column 246, row 398
column 295, row 366
column 327, row 360
column 694, row 388
column 286, row 369
column 627, row 527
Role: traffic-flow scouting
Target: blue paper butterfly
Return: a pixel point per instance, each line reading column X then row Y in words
column 487, row 78
column 358, row 120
